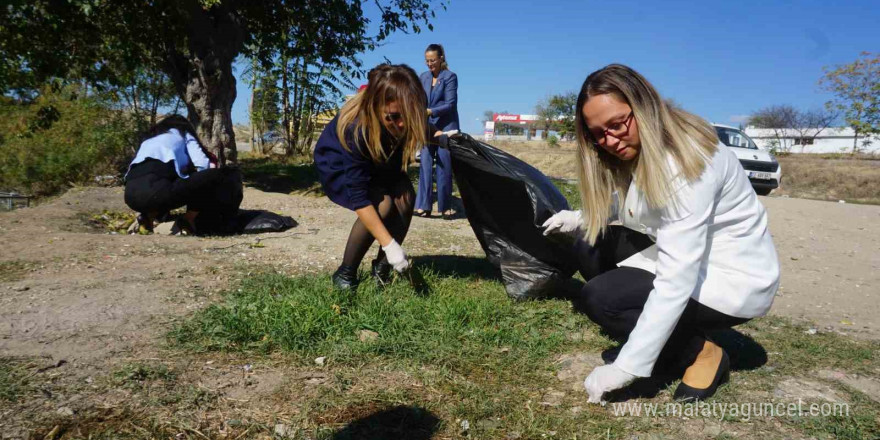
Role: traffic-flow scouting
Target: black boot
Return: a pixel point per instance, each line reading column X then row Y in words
column 345, row 278
column 381, row 271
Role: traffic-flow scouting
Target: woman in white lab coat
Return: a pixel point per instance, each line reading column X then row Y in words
column 660, row 171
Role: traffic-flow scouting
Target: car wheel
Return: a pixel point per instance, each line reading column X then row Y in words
column 763, row 191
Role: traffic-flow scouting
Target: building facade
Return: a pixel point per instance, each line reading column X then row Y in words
column 829, row 140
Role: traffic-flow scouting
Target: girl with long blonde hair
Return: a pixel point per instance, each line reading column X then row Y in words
column 362, row 157
column 692, row 252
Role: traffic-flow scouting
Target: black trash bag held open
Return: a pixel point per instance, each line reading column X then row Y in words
column 506, row 201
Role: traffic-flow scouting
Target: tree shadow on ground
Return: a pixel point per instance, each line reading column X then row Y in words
column 459, row 266
column 745, row 354
column 269, row 175
column 399, row 422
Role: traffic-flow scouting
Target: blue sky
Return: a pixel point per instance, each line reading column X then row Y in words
column 720, row 60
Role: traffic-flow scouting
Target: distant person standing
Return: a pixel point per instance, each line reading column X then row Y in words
column 441, row 88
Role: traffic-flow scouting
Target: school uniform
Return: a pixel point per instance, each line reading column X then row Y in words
column 171, row 170
column 712, row 265
column 348, row 174
column 443, row 102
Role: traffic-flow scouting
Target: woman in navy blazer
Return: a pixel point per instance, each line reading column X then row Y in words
column 361, row 158
column 441, row 88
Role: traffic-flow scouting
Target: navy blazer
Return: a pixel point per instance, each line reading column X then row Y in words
column 442, row 99
column 347, row 173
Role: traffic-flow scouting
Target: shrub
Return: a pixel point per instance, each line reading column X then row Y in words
column 60, row 139
column 553, row 141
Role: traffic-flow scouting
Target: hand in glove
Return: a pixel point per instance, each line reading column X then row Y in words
column 563, row 221
column 396, row 256
column 606, row 378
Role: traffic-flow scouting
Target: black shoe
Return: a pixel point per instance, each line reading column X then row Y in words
column 346, row 278
column 381, row 271
column 610, row 355
column 686, row 393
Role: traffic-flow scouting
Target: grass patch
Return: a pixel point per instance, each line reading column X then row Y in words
column 467, row 353
column 14, row 270
column 136, row 374
column 832, row 178
column 13, row 379
column 287, row 176
column 305, row 315
column 797, row 351
column 570, row 191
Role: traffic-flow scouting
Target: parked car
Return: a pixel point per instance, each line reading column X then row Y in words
column 760, row 165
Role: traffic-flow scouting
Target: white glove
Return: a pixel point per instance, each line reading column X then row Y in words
column 563, row 221
column 606, row 378
column 396, row 256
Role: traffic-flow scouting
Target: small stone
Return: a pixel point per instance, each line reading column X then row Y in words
column 282, row 430
column 65, row 411
column 319, row 361
column 553, row 398
column 367, row 335
column 812, row 331
column 841, row 201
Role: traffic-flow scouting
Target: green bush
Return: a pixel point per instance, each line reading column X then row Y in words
column 60, row 139
column 553, row 141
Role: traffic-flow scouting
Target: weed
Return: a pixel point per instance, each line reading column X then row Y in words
column 14, row 270
column 13, row 380
column 136, row 374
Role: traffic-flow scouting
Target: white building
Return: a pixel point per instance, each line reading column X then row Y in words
column 829, row 140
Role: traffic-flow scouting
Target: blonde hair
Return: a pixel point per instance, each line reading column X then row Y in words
column 361, row 117
column 665, row 132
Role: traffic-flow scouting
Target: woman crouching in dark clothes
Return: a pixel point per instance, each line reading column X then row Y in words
column 173, row 169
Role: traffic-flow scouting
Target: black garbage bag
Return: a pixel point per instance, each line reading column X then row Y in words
column 506, row 201
column 227, row 219
column 259, row 221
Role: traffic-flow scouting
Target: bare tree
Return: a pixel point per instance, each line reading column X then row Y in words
column 780, row 119
column 810, row 124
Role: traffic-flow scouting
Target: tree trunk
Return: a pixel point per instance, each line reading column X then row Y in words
column 251, row 103
column 203, row 76
column 855, row 140
column 285, row 104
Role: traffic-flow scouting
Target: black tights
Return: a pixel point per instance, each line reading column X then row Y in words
column 394, row 204
column 614, row 298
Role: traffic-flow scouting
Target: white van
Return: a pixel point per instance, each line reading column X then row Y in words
column 762, row 168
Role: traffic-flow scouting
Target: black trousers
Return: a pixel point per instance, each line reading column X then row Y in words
column 154, row 186
column 614, row 298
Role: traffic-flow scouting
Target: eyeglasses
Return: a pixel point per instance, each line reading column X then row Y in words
column 617, row 130
column 432, row 61
column 393, row 117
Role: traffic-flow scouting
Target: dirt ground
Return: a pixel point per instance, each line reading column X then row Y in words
column 96, row 300
column 86, row 294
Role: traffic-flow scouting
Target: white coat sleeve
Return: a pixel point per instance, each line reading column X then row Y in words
column 196, row 155
column 681, row 246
